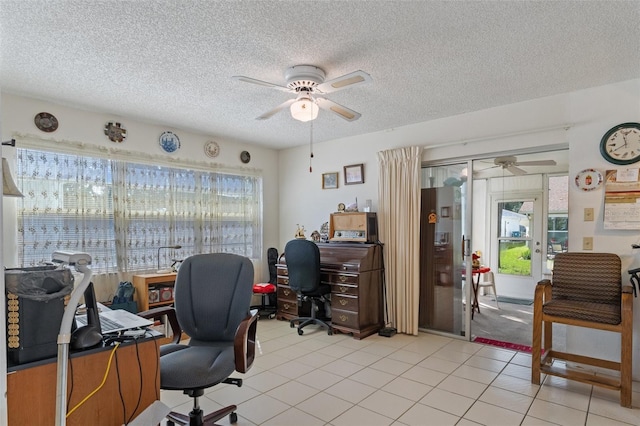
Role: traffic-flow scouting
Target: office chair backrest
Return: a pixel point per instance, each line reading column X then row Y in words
column 303, row 265
column 213, row 294
column 587, row 277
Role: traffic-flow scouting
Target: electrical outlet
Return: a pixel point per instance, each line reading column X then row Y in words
column 588, row 214
column 587, row 243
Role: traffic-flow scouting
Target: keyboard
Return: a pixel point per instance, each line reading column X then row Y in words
column 106, row 324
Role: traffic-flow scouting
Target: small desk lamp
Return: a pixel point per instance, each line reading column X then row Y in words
column 80, row 261
column 166, row 271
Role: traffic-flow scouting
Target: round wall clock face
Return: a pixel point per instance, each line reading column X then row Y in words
column 621, row 144
column 212, row 149
column 46, row 122
column 169, row 142
column 245, row 157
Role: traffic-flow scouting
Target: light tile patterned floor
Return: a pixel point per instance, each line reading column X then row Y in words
column 316, row 379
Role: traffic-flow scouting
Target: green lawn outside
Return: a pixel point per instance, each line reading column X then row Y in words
column 515, row 258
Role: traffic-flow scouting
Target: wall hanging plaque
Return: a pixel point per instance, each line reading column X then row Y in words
column 46, row 122
column 115, row 132
column 212, row 149
column 169, row 142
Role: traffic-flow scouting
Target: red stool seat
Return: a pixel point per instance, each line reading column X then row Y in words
column 264, row 288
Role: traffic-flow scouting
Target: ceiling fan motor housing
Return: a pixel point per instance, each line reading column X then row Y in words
column 304, row 77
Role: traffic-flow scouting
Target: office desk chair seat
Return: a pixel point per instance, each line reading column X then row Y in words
column 212, row 299
column 303, row 267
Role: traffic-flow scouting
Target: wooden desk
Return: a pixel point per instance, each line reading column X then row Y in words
column 355, row 273
column 31, row 388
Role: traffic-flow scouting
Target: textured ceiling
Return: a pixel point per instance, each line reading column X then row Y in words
column 171, row 62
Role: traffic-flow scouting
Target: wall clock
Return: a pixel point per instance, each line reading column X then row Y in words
column 169, row 142
column 621, row 144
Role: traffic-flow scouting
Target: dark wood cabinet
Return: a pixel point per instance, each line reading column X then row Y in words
column 356, row 274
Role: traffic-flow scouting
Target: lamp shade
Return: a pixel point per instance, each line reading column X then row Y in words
column 9, row 188
column 304, row 109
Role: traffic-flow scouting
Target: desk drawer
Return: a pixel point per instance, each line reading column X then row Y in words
column 288, row 307
column 283, row 280
column 286, row 293
column 344, row 318
column 343, row 302
column 341, row 279
column 282, row 270
column 344, row 289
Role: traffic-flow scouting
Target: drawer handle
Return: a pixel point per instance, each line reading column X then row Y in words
column 286, row 281
column 343, row 289
column 343, row 302
column 343, row 317
column 343, row 278
column 287, row 306
column 286, row 292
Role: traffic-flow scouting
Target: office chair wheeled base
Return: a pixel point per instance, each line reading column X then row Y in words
column 304, row 321
column 196, row 417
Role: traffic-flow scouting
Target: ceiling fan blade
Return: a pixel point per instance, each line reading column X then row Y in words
column 536, row 163
column 260, row 83
column 516, row 171
column 344, row 112
column 277, row 109
column 347, row 80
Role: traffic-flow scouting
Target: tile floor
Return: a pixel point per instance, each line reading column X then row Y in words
column 316, row 379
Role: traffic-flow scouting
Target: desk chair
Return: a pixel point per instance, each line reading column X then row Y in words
column 212, row 299
column 303, row 265
column 586, row 291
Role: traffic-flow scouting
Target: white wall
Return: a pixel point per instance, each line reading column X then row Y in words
column 535, row 123
column 86, row 126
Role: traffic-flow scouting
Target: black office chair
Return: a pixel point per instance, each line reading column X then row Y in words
column 212, row 299
column 303, row 266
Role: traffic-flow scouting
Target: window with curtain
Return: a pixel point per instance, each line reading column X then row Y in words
column 121, row 212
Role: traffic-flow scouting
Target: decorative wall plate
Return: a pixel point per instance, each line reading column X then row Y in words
column 245, row 157
column 46, row 122
column 169, row 142
column 212, row 149
column 588, row 179
column 115, row 132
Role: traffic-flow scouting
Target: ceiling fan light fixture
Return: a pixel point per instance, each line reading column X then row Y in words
column 304, row 109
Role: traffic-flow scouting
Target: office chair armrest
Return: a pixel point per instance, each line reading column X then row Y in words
column 170, row 312
column 244, row 344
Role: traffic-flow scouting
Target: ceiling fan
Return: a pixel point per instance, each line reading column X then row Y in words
column 511, row 164
column 307, row 82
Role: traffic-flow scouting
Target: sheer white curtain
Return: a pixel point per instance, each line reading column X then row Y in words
column 399, row 222
column 121, row 212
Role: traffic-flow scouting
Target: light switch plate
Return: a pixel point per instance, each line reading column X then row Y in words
column 587, row 243
column 588, row 214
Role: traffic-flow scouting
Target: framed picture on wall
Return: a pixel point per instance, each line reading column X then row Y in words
column 354, row 174
column 330, row 180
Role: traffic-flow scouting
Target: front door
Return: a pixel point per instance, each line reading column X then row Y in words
column 517, row 245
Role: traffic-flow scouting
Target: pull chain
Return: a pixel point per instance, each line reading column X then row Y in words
column 311, row 147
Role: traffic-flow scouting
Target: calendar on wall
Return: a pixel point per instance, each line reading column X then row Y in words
column 622, row 199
